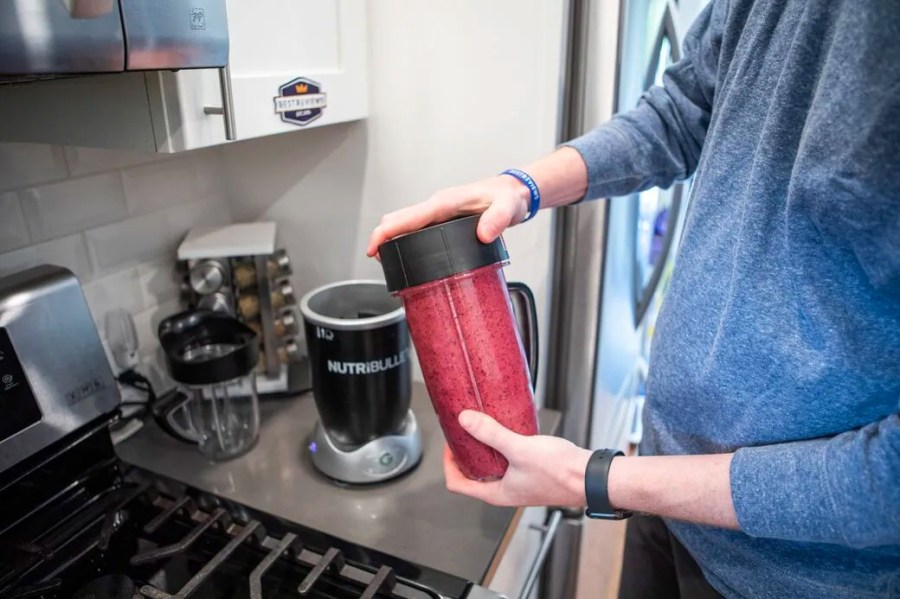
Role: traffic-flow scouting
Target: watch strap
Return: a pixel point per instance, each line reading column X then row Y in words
column 596, row 479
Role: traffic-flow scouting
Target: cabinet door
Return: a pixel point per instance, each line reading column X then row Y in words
column 293, row 64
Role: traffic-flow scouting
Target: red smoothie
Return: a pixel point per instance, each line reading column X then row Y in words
column 468, row 345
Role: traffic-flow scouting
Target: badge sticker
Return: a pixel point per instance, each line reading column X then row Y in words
column 300, row 101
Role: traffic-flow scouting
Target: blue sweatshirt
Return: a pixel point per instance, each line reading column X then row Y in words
column 779, row 338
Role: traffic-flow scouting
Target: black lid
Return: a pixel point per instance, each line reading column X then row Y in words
column 436, row 252
column 203, row 347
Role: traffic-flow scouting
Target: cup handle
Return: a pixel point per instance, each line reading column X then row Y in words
column 523, row 302
column 164, row 411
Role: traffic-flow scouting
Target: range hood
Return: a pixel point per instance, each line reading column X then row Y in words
column 50, row 38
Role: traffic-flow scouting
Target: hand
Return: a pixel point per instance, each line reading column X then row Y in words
column 503, row 199
column 542, row 470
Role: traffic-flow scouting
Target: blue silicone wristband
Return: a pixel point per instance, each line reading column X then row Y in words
column 526, row 179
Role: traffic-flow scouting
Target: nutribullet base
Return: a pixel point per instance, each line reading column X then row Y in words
column 378, row 460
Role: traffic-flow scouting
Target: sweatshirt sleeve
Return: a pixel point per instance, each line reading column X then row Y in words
column 659, row 141
column 843, row 489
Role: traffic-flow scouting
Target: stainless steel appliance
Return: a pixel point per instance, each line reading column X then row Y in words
column 611, row 259
column 78, row 522
column 362, row 382
column 44, row 38
column 54, row 376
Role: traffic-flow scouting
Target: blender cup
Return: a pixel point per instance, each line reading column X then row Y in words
column 464, row 330
column 213, row 357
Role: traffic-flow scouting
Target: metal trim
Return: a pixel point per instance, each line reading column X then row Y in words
column 227, row 108
column 549, row 531
column 578, row 258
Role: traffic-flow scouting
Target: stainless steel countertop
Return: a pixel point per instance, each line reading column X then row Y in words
column 414, row 517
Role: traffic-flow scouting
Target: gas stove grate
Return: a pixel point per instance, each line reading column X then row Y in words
column 253, row 530
column 219, row 516
column 384, row 581
column 289, row 542
column 370, row 582
column 156, row 539
column 332, row 560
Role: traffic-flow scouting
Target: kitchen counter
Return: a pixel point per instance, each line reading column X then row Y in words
column 413, row 517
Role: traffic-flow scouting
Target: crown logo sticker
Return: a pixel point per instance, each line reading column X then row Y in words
column 300, row 101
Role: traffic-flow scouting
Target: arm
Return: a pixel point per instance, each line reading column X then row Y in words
column 654, row 144
column 561, row 177
column 659, row 141
column 843, row 489
column 550, row 471
column 695, row 488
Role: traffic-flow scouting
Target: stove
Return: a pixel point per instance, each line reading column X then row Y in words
column 77, row 522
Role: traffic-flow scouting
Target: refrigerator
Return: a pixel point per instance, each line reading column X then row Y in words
column 613, row 257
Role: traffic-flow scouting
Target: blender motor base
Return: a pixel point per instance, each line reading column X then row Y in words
column 378, row 460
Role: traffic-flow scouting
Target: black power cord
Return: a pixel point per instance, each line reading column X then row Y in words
column 135, row 380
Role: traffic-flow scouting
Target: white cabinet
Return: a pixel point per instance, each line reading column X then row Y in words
column 293, row 64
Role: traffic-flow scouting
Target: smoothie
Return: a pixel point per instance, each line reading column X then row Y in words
column 471, row 356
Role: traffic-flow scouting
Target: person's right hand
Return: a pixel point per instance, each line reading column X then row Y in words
column 503, row 200
column 543, row 470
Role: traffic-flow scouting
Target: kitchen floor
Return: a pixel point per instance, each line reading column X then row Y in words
column 601, row 559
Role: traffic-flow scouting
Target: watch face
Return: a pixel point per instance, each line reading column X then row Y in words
column 617, row 515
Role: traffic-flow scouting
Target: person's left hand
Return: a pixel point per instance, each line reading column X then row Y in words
column 542, row 470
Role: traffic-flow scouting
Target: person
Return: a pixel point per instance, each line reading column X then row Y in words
column 771, row 449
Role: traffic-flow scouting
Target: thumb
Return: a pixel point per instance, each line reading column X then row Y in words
column 496, row 219
column 488, row 431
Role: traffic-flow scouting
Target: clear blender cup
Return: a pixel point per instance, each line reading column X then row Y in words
column 465, row 334
column 212, row 356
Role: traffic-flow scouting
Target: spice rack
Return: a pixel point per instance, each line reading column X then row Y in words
column 238, row 270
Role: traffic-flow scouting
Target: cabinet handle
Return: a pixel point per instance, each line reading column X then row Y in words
column 227, row 109
column 549, row 531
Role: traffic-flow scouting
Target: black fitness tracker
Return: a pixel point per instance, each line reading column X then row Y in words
column 596, row 476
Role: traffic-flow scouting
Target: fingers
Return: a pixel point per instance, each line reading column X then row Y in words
column 496, row 219
column 489, row 431
column 436, row 209
column 489, row 492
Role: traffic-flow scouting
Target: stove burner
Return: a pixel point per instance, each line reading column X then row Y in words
column 111, row 586
column 95, row 532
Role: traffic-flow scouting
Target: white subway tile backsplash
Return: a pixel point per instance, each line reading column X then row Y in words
column 159, row 281
column 146, row 332
column 209, row 212
column 168, row 183
column 147, row 322
column 145, row 238
column 87, row 161
column 13, row 231
column 209, row 167
column 119, row 290
column 69, row 252
column 114, row 218
column 22, row 165
column 73, row 205
column 130, row 242
column 12, row 262
column 154, row 368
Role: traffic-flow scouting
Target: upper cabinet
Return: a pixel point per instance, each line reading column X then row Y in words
column 293, row 64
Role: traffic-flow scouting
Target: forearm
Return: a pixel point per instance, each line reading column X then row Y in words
column 692, row 488
column 561, row 176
